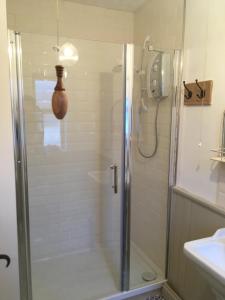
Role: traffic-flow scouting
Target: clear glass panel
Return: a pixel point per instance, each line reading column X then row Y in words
column 158, row 33
column 75, row 215
column 151, row 156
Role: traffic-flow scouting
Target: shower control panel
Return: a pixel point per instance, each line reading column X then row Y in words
column 159, row 75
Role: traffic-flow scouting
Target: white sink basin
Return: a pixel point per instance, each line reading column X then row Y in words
column 209, row 256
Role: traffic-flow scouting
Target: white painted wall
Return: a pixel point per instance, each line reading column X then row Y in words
column 9, row 280
column 203, row 59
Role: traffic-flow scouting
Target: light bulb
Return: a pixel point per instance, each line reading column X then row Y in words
column 68, row 54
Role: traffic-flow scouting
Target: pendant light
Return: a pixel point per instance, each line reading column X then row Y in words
column 68, row 54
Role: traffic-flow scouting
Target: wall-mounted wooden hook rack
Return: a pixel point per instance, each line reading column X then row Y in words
column 201, row 93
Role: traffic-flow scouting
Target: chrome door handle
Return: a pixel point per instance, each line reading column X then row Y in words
column 115, row 178
column 6, row 258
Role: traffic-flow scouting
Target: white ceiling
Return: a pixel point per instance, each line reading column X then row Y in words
column 126, row 5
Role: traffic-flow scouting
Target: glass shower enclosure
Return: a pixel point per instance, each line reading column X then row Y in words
column 71, row 179
column 87, row 209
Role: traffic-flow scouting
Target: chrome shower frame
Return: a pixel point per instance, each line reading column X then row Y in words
column 127, row 159
column 20, row 161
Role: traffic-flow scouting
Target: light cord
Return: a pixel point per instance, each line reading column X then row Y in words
column 57, row 23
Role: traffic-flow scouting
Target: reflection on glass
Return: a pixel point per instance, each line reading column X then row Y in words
column 43, row 92
column 52, row 134
column 52, row 128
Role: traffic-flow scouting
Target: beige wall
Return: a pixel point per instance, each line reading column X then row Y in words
column 203, row 59
column 162, row 20
column 9, row 280
column 191, row 219
column 76, row 20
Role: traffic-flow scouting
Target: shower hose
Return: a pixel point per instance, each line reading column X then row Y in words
column 150, row 155
column 153, row 153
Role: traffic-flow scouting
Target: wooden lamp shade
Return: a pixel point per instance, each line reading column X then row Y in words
column 59, row 97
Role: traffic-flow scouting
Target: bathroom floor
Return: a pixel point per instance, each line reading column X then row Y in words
column 67, row 278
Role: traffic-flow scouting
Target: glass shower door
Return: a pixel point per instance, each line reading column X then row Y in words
column 111, row 160
column 73, row 169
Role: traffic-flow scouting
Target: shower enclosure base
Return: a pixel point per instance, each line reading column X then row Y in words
column 55, row 279
column 141, row 264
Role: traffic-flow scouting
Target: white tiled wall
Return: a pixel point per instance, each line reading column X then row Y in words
column 203, row 59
